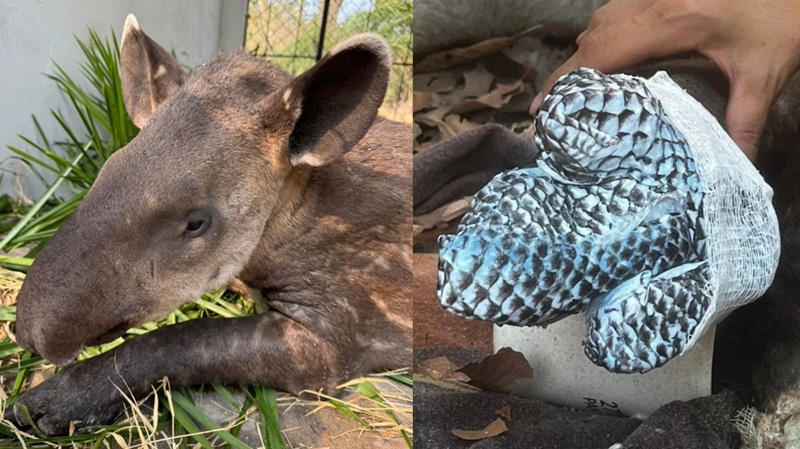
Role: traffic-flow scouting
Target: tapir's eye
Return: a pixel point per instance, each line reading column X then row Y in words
column 196, row 223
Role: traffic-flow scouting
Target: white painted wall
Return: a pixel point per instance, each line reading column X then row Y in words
column 32, row 33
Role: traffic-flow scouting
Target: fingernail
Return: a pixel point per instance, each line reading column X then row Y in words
column 537, row 101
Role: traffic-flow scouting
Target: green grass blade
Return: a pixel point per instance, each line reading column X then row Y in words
column 184, row 402
column 37, row 206
column 32, row 362
column 182, row 418
column 9, row 349
column 7, row 261
column 30, row 159
column 267, row 404
column 404, row 379
column 21, row 375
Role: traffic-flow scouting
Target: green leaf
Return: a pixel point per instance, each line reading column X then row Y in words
column 37, row 206
column 184, row 401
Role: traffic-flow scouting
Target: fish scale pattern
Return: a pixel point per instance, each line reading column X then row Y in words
column 609, row 221
column 644, row 329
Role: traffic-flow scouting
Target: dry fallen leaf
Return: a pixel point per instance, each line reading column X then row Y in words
column 454, row 125
column 492, row 430
column 420, row 147
column 477, row 81
column 505, row 412
column 422, row 100
column 441, row 368
column 442, row 215
column 40, row 376
column 495, row 99
column 437, row 367
column 441, row 82
column 498, row 372
column 433, row 117
column 451, row 58
column 427, row 100
column 520, row 101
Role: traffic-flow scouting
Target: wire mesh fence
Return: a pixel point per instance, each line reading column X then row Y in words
column 294, row 34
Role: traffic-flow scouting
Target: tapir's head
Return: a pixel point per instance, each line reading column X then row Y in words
column 180, row 210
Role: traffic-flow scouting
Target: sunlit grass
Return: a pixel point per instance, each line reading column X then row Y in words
column 377, row 403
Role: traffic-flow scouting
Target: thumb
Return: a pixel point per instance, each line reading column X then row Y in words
column 749, row 102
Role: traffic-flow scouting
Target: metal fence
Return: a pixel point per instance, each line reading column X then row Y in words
column 294, row 34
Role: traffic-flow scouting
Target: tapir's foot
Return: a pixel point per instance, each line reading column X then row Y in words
column 75, row 395
column 645, row 322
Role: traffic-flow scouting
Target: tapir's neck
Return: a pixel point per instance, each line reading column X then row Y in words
column 290, row 218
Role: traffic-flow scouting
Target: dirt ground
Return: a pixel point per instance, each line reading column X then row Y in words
column 302, row 426
column 435, row 328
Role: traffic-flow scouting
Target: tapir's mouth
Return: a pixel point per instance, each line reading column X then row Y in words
column 110, row 335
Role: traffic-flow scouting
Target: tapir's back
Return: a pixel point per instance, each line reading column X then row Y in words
column 379, row 168
column 366, row 198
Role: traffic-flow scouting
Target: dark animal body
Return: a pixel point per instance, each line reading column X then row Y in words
column 291, row 186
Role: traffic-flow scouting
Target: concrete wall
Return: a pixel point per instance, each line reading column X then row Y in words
column 32, row 33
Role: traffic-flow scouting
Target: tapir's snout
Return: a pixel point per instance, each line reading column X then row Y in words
column 24, row 333
column 59, row 337
column 57, row 340
column 65, row 302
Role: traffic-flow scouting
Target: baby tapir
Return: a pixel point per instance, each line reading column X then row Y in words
column 291, row 186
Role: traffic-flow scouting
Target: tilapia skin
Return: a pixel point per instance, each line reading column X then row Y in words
column 610, row 220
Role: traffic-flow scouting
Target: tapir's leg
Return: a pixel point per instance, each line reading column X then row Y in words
column 646, row 321
column 460, row 166
column 267, row 349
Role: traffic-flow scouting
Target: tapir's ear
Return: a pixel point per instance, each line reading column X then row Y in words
column 336, row 101
column 150, row 74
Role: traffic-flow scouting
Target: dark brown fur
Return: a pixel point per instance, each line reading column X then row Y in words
column 305, row 197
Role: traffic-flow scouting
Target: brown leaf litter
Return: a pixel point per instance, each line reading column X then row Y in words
column 10, row 283
column 497, row 427
column 441, row 368
column 498, row 372
column 457, row 56
column 459, row 90
column 441, row 216
column 504, row 412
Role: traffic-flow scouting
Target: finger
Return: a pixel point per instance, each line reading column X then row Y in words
column 748, row 106
column 580, row 36
column 571, row 64
column 615, row 47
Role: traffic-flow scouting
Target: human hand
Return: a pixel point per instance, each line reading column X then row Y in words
column 755, row 43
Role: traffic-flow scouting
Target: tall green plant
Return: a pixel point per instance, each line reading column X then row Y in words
column 74, row 162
